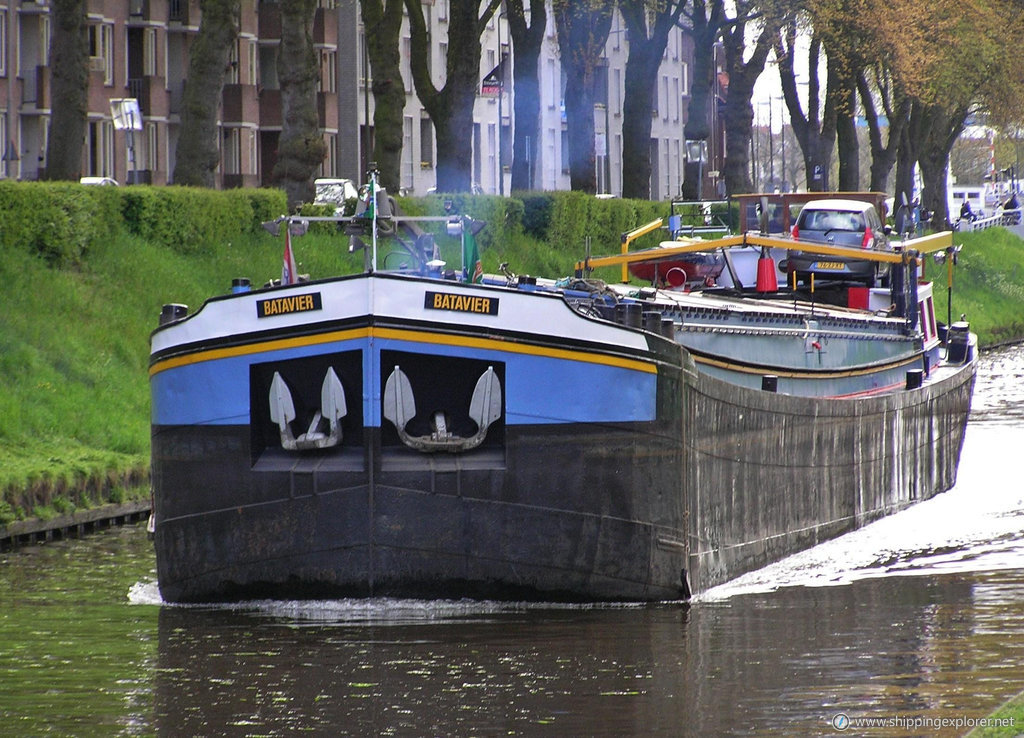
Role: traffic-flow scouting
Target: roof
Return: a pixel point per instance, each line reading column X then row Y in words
column 853, row 206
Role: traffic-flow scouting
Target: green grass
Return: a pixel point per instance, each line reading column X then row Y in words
column 988, row 285
column 74, row 410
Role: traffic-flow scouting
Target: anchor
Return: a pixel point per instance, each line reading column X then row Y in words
column 484, row 409
column 332, row 410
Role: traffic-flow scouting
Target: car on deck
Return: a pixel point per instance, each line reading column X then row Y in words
column 837, row 222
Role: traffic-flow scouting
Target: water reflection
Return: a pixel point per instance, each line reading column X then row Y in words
column 763, row 664
column 510, row 673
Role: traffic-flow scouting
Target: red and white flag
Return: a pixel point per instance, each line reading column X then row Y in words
column 289, row 273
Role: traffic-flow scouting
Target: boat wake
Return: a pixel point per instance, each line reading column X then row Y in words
column 976, row 526
column 371, row 611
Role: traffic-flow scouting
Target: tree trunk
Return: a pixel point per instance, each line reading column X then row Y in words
column 301, row 148
column 897, row 110
column 906, row 155
column 526, row 46
column 739, row 112
column 704, row 29
column 69, row 70
column 942, row 127
column 815, row 131
column 383, row 22
column 582, row 33
column 451, row 107
column 846, row 137
column 198, row 152
column 645, row 54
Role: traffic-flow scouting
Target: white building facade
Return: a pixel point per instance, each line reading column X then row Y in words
column 493, row 120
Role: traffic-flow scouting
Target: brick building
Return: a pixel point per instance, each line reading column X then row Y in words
column 140, row 49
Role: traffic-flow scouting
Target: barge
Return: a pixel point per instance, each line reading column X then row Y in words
column 421, row 434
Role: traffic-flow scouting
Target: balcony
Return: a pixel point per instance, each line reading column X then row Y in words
column 270, row 109
column 35, row 87
column 327, row 110
column 270, row 21
column 325, row 27
column 179, row 11
column 240, row 104
column 138, row 11
column 151, row 92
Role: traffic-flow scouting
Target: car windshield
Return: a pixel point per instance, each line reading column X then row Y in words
column 831, row 220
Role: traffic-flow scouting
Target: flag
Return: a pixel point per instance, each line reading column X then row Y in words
column 493, row 84
column 472, row 269
column 289, row 273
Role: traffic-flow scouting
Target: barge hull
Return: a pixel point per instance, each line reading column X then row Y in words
column 770, row 475
column 603, row 527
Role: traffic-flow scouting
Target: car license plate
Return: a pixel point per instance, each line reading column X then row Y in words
column 835, row 266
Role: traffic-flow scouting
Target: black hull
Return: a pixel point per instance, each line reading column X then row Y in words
column 585, row 516
column 770, row 475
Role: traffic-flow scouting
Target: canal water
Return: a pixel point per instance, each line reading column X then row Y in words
column 917, row 621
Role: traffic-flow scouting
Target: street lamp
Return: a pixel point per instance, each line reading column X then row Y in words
column 782, row 134
column 771, row 146
column 127, row 117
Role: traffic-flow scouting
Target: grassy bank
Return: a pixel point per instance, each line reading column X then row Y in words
column 988, row 285
column 74, row 411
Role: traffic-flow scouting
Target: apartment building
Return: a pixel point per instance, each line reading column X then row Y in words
column 139, row 50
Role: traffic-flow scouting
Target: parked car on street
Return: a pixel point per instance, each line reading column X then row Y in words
column 849, row 223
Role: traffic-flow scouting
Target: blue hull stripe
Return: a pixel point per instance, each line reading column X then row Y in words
column 541, row 389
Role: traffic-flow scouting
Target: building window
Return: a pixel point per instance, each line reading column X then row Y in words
column 3, row 42
column 617, row 91
column 149, row 52
column 233, row 76
column 492, row 160
column 232, row 151
column 426, row 144
column 44, row 36
column 327, row 165
column 253, row 73
column 328, row 71
column 553, row 77
column 254, row 158
column 364, row 65
column 101, row 51
column 152, row 155
column 101, row 148
column 267, row 70
column 549, row 160
column 407, row 153
column 405, row 64
column 4, row 146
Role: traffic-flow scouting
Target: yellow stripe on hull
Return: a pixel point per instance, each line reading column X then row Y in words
column 491, row 344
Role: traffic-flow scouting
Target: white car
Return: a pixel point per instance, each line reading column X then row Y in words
column 334, row 192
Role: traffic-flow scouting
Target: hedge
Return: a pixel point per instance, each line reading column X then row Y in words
column 57, row 220
column 60, row 220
